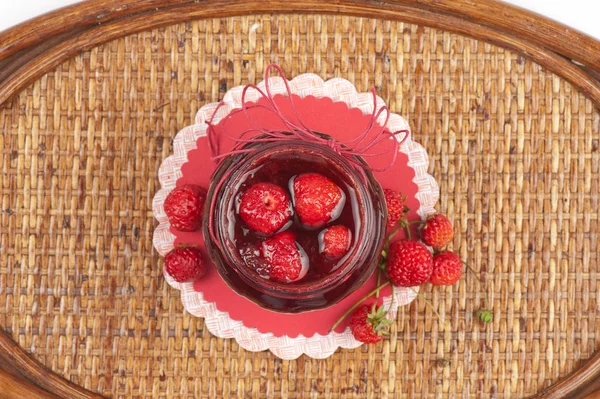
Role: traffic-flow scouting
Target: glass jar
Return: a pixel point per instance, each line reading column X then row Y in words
column 368, row 211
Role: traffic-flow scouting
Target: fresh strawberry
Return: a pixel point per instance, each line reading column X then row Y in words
column 369, row 324
column 335, row 241
column 184, row 207
column 395, row 207
column 265, row 208
column 438, row 231
column 317, row 199
column 447, row 268
column 185, row 264
column 409, row 263
column 286, row 261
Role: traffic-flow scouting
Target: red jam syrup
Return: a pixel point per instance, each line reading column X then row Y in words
column 281, row 169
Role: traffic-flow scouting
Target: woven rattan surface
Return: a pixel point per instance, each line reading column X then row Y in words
column 514, row 148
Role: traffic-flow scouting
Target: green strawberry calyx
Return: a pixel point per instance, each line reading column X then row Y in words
column 378, row 319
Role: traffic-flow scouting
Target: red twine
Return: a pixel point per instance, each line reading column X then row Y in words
column 360, row 146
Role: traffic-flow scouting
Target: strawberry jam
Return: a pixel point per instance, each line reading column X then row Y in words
column 283, row 171
column 294, row 226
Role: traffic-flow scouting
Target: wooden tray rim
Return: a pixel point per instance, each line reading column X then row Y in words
column 35, row 47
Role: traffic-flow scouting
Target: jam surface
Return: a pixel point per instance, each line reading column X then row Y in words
column 282, row 169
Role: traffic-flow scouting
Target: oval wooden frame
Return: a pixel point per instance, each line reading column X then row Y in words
column 35, row 47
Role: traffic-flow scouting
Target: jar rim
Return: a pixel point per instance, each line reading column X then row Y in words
column 370, row 234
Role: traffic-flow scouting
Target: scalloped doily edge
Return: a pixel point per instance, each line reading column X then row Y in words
column 219, row 323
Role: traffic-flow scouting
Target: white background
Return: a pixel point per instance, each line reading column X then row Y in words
column 580, row 14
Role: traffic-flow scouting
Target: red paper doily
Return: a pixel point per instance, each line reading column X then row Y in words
column 319, row 114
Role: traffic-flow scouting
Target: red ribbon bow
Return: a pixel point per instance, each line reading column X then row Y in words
column 357, row 147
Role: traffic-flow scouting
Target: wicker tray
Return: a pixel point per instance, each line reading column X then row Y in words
column 91, row 96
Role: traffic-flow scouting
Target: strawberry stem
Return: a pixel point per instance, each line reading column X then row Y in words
column 473, row 271
column 408, row 233
column 357, row 304
column 381, row 267
column 391, row 303
column 430, row 305
column 417, row 222
column 485, row 314
column 393, row 234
